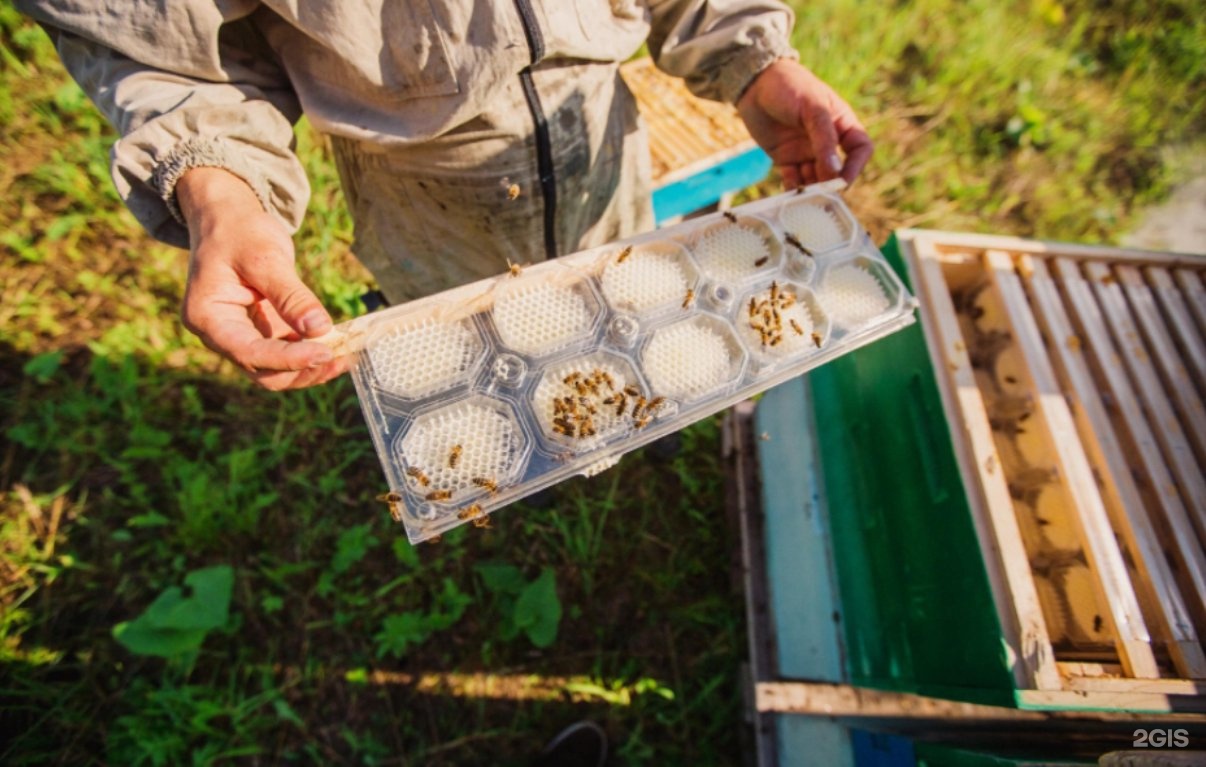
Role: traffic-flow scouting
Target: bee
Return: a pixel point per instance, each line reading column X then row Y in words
column 488, row 484
column 563, row 426
column 469, row 512
column 395, row 504
column 607, row 379
column 454, row 457
column 632, row 391
column 514, row 269
column 762, row 261
column 774, row 292
column 586, row 428
column 689, row 299
column 482, row 522
column 753, row 307
column 816, row 339
column 621, row 404
column 793, row 241
column 433, row 540
column 624, row 254
column 415, row 473
column 796, row 327
column 638, row 407
column 730, row 216
column 571, row 378
column 438, row 495
column 513, row 192
column 654, row 404
column 786, row 301
column 642, row 423
column 775, row 341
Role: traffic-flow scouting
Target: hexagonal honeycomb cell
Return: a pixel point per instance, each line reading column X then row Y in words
column 424, row 358
column 779, row 322
column 539, row 318
column 451, row 453
column 584, row 401
column 816, row 226
column 852, row 295
column 691, row 358
column 645, row 279
column 732, row 252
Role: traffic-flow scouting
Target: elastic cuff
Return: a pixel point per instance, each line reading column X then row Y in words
column 199, row 152
column 739, row 70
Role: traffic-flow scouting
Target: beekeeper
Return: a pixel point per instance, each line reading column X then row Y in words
column 465, row 133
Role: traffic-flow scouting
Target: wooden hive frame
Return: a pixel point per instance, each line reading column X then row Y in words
column 1113, row 383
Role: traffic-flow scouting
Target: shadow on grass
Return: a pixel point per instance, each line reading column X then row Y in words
column 120, row 476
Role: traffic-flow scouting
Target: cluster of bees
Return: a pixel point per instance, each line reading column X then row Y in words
column 766, row 318
column 573, row 414
column 420, row 478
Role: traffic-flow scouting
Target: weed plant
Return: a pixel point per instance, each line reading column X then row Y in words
column 138, row 472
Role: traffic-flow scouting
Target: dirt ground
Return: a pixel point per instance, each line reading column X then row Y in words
column 1180, row 223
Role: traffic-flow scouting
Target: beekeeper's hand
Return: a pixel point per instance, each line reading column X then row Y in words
column 244, row 298
column 802, row 124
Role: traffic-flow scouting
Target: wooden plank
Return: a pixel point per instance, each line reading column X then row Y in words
column 953, row 241
column 1183, row 540
column 988, row 494
column 1195, row 294
column 1160, row 345
column 848, row 702
column 1180, row 321
column 1111, row 582
column 1166, row 426
column 1123, row 502
column 1153, row 686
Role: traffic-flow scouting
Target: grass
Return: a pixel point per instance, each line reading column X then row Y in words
column 132, row 457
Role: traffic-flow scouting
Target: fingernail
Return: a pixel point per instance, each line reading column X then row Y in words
column 835, row 163
column 321, row 358
column 314, row 322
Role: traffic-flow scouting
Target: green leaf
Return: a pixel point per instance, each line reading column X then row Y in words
column 175, row 624
column 353, row 544
column 43, row 367
column 500, row 578
column 538, row 610
column 399, row 632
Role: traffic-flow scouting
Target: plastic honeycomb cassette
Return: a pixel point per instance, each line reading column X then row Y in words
column 485, row 393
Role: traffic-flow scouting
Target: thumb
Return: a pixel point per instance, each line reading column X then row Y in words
column 297, row 305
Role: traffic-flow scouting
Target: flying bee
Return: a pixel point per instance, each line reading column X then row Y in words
column 796, row 327
column 624, row 254
column 762, row 261
column 395, row 504
column 438, row 495
column 730, row 216
column 415, row 473
column 689, row 299
column 816, row 339
column 514, row 269
column 469, row 512
column 454, row 457
column 487, row 484
column 793, row 241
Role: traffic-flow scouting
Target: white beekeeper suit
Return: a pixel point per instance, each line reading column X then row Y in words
column 466, row 132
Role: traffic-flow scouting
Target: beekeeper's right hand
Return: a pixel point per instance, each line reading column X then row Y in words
column 243, row 297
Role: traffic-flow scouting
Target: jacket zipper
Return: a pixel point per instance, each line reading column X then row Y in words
column 544, row 145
